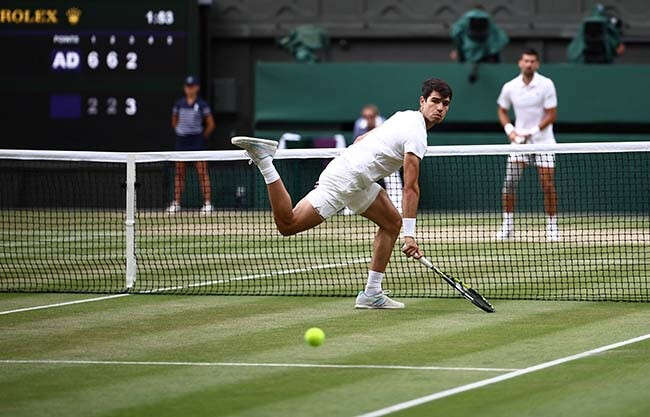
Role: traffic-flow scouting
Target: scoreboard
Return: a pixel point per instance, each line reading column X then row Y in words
column 93, row 74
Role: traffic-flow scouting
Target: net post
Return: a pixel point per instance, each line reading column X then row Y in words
column 129, row 222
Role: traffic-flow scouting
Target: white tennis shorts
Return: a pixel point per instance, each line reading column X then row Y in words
column 340, row 187
column 541, row 160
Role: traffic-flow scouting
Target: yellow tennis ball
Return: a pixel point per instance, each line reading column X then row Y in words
column 314, row 336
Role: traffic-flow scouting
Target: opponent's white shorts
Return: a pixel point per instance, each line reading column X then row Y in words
column 541, row 160
column 339, row 187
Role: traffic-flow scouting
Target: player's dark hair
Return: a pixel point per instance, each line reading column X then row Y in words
column 437, row 85
column 530, row 51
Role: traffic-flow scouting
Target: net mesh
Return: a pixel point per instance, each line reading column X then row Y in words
column 62, row 227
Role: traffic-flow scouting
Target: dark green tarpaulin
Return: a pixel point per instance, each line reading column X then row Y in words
column 335, row 92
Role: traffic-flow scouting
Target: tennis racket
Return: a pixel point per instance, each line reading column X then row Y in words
column 474, row 297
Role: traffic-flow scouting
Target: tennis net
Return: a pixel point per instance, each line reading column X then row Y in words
column 100, row 222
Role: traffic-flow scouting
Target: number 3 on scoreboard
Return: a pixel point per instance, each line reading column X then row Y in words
column 131, row 106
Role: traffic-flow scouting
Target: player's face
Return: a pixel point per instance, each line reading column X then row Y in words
column 435, row 107
column 528, row 64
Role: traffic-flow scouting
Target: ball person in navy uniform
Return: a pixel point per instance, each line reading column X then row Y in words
column 193, row 123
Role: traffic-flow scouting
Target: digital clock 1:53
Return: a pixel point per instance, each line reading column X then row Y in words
column 160, row 17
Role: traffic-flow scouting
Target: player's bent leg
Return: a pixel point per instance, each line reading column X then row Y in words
column 290, row 220
column 303, row 217
column 383, row 213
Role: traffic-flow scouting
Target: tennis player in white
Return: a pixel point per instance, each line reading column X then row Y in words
column 349, row 180
column 534, row 101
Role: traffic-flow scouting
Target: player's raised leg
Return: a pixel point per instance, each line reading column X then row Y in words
column 384, row 214
column 547, row 182
column 289, row 220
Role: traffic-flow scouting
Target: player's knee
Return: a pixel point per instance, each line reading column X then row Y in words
column 395, row 226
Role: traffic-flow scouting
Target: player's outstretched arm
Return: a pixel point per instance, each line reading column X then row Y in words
column 410, row 200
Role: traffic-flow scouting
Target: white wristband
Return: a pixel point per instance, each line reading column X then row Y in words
column 509, row 128
column 408, row 227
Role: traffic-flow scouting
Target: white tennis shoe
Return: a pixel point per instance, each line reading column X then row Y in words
column 207, row 208
column 256, row 149
column 174, row 207
column 381, row 300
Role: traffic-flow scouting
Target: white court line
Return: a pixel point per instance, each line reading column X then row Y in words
column 67, row 303
column 268, row 365
column 504, row 377
column 197, row 284
column 256, row 276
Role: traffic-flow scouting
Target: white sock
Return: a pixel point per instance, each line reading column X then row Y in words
column 508, row 219
column 373, row 287
column 551, row 221
column 268, row 171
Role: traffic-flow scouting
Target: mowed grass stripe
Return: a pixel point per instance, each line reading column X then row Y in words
column 352, row 392
column 138, row 329
column 425, row 400
column 294, row 392
column 349, row 331
column 429, row 331
column 609, row 384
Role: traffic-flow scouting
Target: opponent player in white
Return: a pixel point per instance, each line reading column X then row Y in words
column 534, row 101
column 349, row 180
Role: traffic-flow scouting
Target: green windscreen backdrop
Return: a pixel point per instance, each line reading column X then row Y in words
column 334, row 93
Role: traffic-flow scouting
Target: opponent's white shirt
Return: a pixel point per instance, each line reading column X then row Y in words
column 529, row 101
column 382, row 151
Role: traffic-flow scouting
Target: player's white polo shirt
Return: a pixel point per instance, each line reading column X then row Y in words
column 529, row 101
column 349, row 180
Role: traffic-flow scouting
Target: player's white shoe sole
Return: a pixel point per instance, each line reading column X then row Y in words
column 378, row 301
column 257, row 149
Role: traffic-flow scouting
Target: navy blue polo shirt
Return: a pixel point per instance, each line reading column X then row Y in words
column 190, row 116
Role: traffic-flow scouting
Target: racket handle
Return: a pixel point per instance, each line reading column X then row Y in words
column 424, row 261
